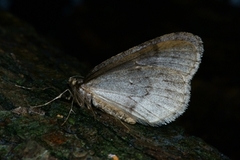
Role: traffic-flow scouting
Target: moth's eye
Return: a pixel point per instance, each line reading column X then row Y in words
column 72, row 81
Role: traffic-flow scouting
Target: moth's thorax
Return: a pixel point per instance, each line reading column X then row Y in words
column 78, row 92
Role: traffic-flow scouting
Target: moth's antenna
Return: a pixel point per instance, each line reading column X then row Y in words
column 59, row 96
column 47, row 103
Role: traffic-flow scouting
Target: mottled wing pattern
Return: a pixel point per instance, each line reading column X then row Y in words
column 149, row 82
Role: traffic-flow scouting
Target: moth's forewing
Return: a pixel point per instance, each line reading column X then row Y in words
column 149, row 83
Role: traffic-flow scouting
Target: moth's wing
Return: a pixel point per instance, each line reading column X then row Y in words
column 149, row 82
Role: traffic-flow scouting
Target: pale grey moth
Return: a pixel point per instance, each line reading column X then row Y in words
column 149, row 83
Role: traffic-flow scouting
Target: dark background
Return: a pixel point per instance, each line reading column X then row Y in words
column 93, row 31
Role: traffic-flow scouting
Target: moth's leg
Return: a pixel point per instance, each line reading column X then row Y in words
column 69, row 113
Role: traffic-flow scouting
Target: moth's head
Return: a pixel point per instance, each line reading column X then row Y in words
column 75, row 81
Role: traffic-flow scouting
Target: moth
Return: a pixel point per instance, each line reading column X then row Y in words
column 148, row 84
